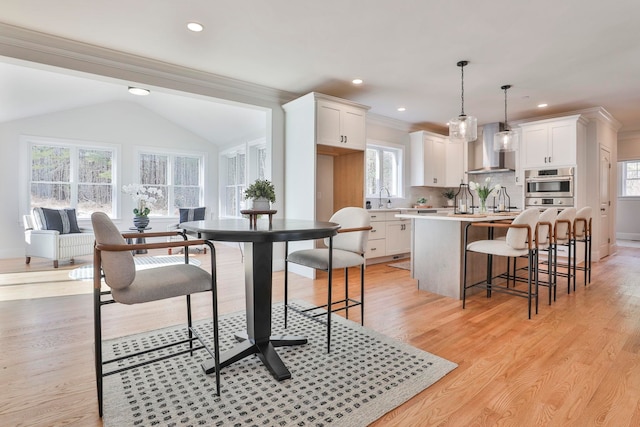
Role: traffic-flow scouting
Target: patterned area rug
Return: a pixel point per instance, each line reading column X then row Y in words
column 365, row 376
column 404, row 265
column 86, row 271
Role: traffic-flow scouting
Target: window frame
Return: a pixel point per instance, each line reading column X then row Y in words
column 399, row 150
column 250, row 149
column 168, row 191
column 28, row 141
column 622, row 179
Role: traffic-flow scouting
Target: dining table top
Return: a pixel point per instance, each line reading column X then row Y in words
column 242, row 230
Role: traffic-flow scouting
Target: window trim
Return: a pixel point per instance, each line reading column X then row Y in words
column 172, row 153
column 27, row 141
column 246, row 148
column 401, row 165
column 622, row 180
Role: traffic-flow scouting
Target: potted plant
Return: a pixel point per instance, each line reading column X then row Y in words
column 449, row 194
column 143, row 197
column 262, row 193
column 421, row 203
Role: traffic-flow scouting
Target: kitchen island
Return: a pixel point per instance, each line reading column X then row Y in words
column 437, row 250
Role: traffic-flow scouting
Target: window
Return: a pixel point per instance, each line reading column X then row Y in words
column 178, row 175
column 70, row 175
column 630, row 178
column 384, row 165
column 239, row 165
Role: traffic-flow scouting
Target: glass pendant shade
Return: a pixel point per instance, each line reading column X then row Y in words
column 463, row 128
column 505, row 141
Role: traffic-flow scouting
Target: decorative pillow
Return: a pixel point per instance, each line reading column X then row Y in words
column 62, row 220
column 191, row 214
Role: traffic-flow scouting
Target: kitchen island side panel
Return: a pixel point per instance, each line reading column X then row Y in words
column 437, row 257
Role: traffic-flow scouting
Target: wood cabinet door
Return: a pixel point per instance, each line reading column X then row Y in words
column 562, row 143
column 398, row 237
column 328, row 124
column 353, row 128
column 535, row 141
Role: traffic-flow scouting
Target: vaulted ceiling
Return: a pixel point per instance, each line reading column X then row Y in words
column 569, row 54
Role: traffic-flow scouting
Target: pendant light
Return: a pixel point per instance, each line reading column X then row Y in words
column 463, row 127
column 506, row 140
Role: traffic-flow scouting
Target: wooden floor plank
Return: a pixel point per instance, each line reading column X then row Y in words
column 576, row 363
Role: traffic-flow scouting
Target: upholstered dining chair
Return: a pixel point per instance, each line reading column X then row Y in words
column 582, row 234
column 344, row 250
column 519, row 242
column 563, row 236
column 113, row 261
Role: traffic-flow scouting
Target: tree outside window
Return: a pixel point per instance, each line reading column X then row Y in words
column 66, row 175
column 630, row 172
column 239, row 165
column 383, row 170
column 178, row 176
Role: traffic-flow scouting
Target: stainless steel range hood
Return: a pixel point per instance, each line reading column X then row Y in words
column 492, row 161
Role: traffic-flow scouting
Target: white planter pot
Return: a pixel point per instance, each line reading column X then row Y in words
column 261, row 204
column 449, row 202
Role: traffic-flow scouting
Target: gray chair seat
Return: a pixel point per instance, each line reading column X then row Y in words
column 319, row 258
column 163, row 282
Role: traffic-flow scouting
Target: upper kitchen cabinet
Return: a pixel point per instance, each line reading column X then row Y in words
column 551, row 142
column 455, row 155
column 340, row 124
column 428, row 157
column 325, row 142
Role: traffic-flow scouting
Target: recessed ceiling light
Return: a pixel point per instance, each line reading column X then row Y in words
column 402, row 109
column 195, row 27
column 356, row 81
column 542, row 105
column 139, row 91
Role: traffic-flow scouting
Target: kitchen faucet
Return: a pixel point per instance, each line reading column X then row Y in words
column 380, row 204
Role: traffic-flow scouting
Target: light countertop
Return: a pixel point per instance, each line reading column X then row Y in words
column 446, row 216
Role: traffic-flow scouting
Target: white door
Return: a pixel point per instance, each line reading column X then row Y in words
column 605, row 201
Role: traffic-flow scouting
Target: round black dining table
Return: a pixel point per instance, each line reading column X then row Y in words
column 258, row 266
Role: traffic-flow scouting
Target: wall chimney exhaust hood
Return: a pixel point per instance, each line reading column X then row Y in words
column 493, row 161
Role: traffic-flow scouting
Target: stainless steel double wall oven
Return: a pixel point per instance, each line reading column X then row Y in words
column 549, row 187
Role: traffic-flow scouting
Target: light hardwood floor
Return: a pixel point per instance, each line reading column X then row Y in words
column 576, row 363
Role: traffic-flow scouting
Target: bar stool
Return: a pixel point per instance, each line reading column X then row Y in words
column 545, row 243
column 518, row 243
column 562, row 236
column 582, row 234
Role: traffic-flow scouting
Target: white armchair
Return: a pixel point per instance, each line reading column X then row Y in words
column 52, row 244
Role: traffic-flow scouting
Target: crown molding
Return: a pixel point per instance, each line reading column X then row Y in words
column 594, row 113
column 388, row 122
column 28, row 45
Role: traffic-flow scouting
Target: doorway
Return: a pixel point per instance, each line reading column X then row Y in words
column 605, row 202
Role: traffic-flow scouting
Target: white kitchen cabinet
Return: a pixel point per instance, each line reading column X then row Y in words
column 398, row 237
column 551, row 142
column 315, row 172
column 377, row 244
column 455, row 154
column 340, row 125
column 389, row 236
column 428, row 157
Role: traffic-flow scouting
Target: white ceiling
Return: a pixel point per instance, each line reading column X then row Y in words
column 571, row 54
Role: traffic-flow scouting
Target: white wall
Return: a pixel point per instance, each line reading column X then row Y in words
column 121, row 123
column 627, row 218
